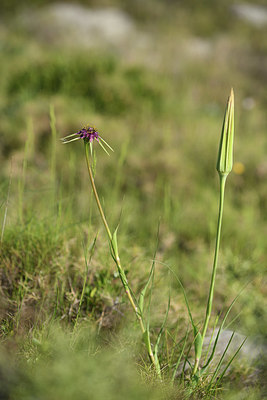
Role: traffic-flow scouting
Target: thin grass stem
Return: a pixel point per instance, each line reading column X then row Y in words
column 53, row 146
column 180, row 357
column 230, row 362
column 22, row 181
column 87, row 262
column 215, row 373
column 7, row 204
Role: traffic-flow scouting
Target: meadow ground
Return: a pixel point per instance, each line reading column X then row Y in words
column 67, row 330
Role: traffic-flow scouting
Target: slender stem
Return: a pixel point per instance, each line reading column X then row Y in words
column 117, row 259
column 95, row 191
column 7, row 204
column 215, row 262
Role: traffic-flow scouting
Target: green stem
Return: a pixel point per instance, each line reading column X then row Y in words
column 116, row 258
column 215, row 262
column 217, row 246
column 95, row 191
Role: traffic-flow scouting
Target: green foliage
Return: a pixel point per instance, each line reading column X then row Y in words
column 27, row 250
column 69, row 365
column 99, row 80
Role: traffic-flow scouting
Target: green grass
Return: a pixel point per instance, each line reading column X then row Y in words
column 164, row 124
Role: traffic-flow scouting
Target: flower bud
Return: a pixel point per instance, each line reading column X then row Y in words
column 225, row 156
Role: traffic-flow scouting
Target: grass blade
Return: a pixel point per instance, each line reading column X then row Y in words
column 221, row 360
column 7, row 203
column 161, row 330
column 151, row 275
column 230, row 361
column 221, row 327
column 180, row 357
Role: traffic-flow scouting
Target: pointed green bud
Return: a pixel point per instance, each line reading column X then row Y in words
column 114, row 242
column 225, row 156
column 198, row 342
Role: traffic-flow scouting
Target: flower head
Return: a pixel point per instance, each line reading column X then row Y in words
column 88, row 133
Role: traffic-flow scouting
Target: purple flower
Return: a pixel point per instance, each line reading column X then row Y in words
column 88, row 133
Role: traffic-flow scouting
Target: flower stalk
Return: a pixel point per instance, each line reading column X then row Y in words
column 224, row 167
column 115, row 255
column 89, row 133
column 86, row 145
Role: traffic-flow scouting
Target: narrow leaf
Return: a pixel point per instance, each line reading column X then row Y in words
column 162, row 328
column 221, row 327
column 180, row 356
column 143, row 292
column 150, row 278
column 221, row 360
column 230, row 361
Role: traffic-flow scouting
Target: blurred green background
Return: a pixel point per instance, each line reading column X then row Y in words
column 154, row 78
